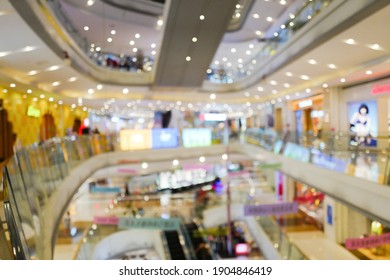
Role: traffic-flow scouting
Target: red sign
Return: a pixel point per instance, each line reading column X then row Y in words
column 127, row 170
column 367, row 242
column 241, row 173
column 101, row 220
column 380, row 89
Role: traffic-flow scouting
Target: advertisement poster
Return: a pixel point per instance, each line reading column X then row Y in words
column 363, row 123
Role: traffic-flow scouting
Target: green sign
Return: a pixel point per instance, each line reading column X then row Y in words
column 33, row 112
column 149, row 223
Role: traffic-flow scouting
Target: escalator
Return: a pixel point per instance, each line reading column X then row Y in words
column 175, row 248
column 202, row 253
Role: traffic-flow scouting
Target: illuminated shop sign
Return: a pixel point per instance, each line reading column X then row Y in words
column 165, row 138
column 33, row 112
column 215, row 117
column 196, row 137
column 380, row 89
column 305, row 103
column 135, row 139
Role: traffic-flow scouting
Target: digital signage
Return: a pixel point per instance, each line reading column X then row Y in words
column 135, row 139
column 363, row 122
column 196, row 137
column 165, row 138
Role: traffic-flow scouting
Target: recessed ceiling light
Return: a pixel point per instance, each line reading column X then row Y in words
column 350, row 42
column 109, row 39
column 188, row 58
column 194, row 39
column 312, row 61
column 201, row 17
column 216, row 62
column 260, row 89
column 113, row 32
column 289, row 74
column 248, row 52
column 276, row 34
column 237, row 15
column 256, row 16
column 305, row 77
column 292, row 16
column 269, row 19
column 12, row 85
column 209, row 71
column 56, row 84
column 282, row 2
column 131, row 42
column 375, row 47
column 144, row 165
column 224, row 59
column 98, row 49
column 153, row 52
column 29, row 91
column 135, row 49
column 308, row 90
column 251, row 46
column 137, row 35
column 153, row 45
column 258, row 32
column 274, row 83
column 332, row 66
column 248, row 104
column 160, row 22
column 99, row 87
column 368, row 72
column 72, row 79
column 90, row 2
column 125, row 91
column 229, row 64
column 343, row 80
column 42, row 96
column 233, row 50
column 283, row 26
column 51, row 99
column 325, row 85
column 286, row 85
column 53, row 68
column 91, row 91
column 239, row 60
column 4, row 53
column 35, row 99
column 247, row 94
column 274, row 91
column 287, row 97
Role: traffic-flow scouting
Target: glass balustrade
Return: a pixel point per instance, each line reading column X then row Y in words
column 225, row 74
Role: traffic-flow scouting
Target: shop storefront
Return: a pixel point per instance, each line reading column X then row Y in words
column 309, row 116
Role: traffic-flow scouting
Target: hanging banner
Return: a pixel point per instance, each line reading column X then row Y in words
column 367, row 242
column 149, row 223
column 105, row 220
column 271, row 209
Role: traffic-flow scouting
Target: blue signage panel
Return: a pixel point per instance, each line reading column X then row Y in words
column 165, row 138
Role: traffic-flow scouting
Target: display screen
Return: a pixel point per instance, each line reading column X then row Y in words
column 196, row 137
column 363, row 123
column 165, row 138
